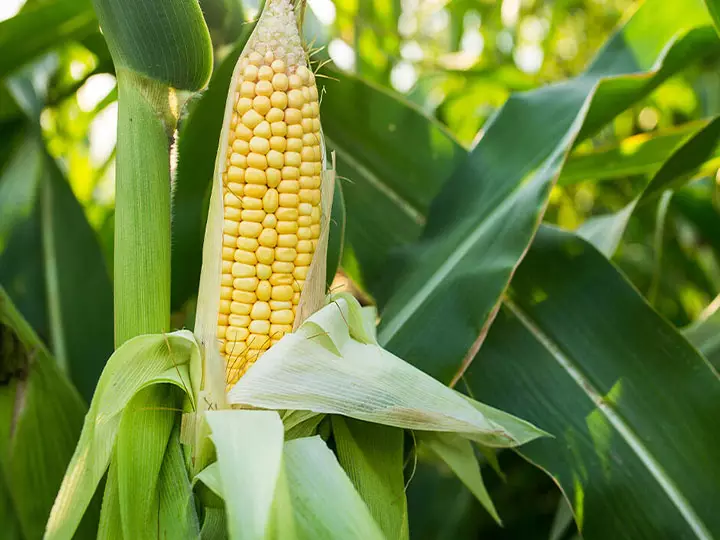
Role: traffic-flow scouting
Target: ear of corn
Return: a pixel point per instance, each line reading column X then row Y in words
column 264, row 255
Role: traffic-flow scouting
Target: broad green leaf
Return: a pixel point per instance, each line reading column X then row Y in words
column 481, row 223
column 214, row 526
column 581, row 354
column 606, row 231
column 642, row 154
column 366, row 382
column 164, row 40
column 337, row 233
column 372, row 457
column 459, row 455
column 41, row 27
column 40, row 419
column 139, row 363
column 110, row 518
column 178, row 517
column 250, row 458
column 705, row 335
column 714, row 9
column 324, row 502
column 199, row 136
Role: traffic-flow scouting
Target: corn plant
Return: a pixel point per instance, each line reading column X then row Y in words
column 243, row 396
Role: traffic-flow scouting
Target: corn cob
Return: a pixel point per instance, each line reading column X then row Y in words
column 272, row 179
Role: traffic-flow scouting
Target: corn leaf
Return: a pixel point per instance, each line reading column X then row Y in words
column 606, row 231
column 165, row 40
column 459, row 455
column 214, row 526
column 250, row 458
column 139, row 363
column 178, row 518
column 705, row 336
column 372, row 457
column 324, row 502
column 110, row 519
column 579, row 352
column 364, row 382
column 714, row 9
column 37, row 403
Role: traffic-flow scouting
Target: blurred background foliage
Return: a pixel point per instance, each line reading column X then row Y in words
column 458, row 61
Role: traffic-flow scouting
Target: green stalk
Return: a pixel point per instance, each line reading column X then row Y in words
column 142, row 207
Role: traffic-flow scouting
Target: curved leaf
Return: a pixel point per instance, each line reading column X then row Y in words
column 581, row 354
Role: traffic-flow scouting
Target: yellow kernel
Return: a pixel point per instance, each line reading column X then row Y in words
column 227, row 264
column 227, row 279
column 307, row 168
column 306, row 110
column 270, row 200
column 223, row 319
column 270, row 221
column 255, row 58
column 279, row 100
column 257, row 161
column 243, row 133
column 282, row 293
column 245, row 257
column 305, row 93
column 305, row 209
column 269, row 57
column 234, row 347
column 255, row 176
column 300, row 273
column 229, row 240
column 287, row 240
column 283, row 316
column 237, row 321
column 262, row 104
column 303, row 73
column 309, row 139
column 263, row 130
column 276, row 305
column 288, row 227
column 238, row 160
column 295, row 130
column 224, row 307
column 282, row 279
column 279, row 129
column 295, row 81
column 313, row 93
column 227, row 254
column 252, row 118
column 273, row 176
column 247, row 89
column 289, row 200
column 296, row 298
column 315, row 231
column 304, row 221
column 230, row 227
column 275, row 159
column 290, row 173
column 244, row 104
column 244, row 296
column 315, row 214
column 268, row 238
column 280, row 330
column 226, row 293
column 260, row 311
column 264, row 88
column 235, row 174
column 306, row 195
column 258, row 342
column 293, row 116
column 253, row 215
column 293, row 159
column 309, row 182
column 265, row 254
column 250, row 73
column 259, row 145
column 259, row 327
column 288, row 186
column 277, row 143
column 278, row 66
column 308, row 154
column 307, row 125
column 263, row 271
column 304, row 233
column 303, row 259
column 248, row 284
column 274, row 115
column 251, row 203
column 240, row 270
column 286, row 214
column 237, row 190
column 237, row 332
column 264, row 290
column 284, row 254
column 294, row 145
column 240, row 147
column 280, row 83
column 249, row 229
column 248, row 244
column 265, row 73
column 255, row 190
column 240, row 308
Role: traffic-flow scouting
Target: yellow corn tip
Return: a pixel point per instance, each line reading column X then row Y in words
column 272, row 213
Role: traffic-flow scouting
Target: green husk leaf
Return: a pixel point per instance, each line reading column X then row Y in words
column 250, row 449
column 214, row 526
column 301, row 424
column 372, row 456
column 459, row 455
column 325, row 504
column 138, row 364
column 178, row 518
column 365, row 382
